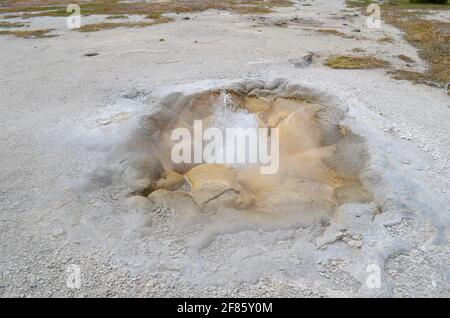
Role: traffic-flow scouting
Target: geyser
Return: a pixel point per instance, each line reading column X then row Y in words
column 319, row 158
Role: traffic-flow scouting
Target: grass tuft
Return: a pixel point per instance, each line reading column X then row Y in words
column 331, row 32
column 117, row 17
column 405, row 58
column 386, row 39
column 354, row 62
column 29, row 34
column 112, row 25
column 11, row 24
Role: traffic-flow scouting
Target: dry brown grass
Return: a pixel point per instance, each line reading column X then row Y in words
column 114, row 7
column 12, row 16
column 117, row 17
column 354, row 62
column 331, row 32
column 153, row 16
column 409, row 75
column 385, row 39
column 11, row 24
column 117, row 10
column 251, row 9
column 29, row 34
column 432, row 38
column 112, row 25
column 405, row 58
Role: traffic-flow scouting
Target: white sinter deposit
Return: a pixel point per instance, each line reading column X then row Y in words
column 76, row 108
column 337, row 218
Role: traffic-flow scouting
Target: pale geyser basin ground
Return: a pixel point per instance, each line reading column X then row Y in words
column 63, row 112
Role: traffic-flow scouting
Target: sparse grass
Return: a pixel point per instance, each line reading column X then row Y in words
column 354, row 62
column 432, row 38
column 358, row 3
column 409, row 75
column 94, row 27
column 405, row 58
column 29, row 34
column 112, row 25
column 115, row 7
column 19, row 6
column 155, row 15
column 117, row 17
column 331, row 32
column 358, row 50
column 11, row 24
column 399, row 4
column 258, row 9
column 12, row 16
column 385, row 39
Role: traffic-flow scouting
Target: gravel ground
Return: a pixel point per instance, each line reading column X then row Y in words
column 63, row 205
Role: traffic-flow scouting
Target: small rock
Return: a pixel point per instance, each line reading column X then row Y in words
column 304, row 61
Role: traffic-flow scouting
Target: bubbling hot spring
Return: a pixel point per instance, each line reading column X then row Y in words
column 320, row 160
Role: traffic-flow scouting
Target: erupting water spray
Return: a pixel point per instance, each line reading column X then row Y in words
column 236, row 146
